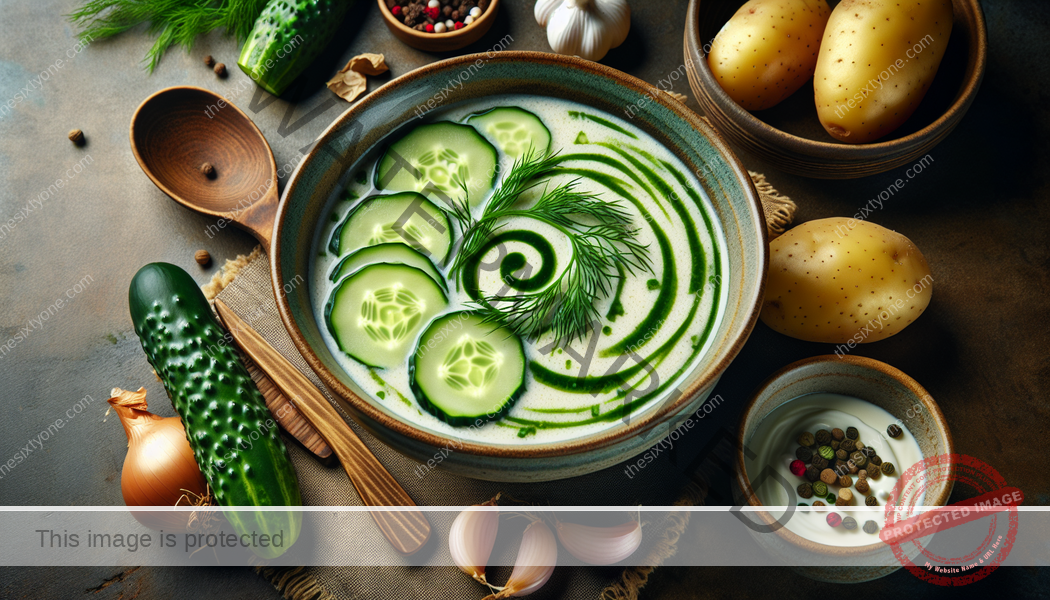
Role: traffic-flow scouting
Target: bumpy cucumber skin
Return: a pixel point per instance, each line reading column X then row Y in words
column 313, row 21
column 219, row 404
column 430, row 407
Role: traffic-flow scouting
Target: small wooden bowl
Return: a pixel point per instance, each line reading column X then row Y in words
column 441, row 42
column 790, row 137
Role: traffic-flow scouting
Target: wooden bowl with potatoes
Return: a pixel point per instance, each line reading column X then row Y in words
column 840, row 105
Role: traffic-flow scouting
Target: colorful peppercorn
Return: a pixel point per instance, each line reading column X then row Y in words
column 863, row 487
column 805, row 490
column 849, row 523
column 875, row 459
column 845, row 481
column 819, row 462
column 818, row 503
column 871, row 501
column 887, row 468
column 820, row 489
column 834, row 519
column 837, row 434
column 841, row 454
column 894, row 430
column 858, row 459
column 828, row 476
column 803, row 453
column 812, row 473
column 845, row 498
column 870, row 527
column 852, row 433
column 835, row 444
column 823, row 437
column 806, row 439
column 798, row 468
column 848, row 445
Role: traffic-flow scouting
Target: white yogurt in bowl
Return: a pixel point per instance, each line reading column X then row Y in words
column 773, row 445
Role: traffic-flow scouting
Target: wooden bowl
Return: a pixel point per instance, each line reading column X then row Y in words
column 870, row 380
column 790, row 137
column 441, row 42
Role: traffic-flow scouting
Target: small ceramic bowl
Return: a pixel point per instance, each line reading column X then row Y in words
column 790, row 136
column 440, row 42
column 867, row 379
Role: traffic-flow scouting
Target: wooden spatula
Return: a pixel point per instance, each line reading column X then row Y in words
column 407, row 531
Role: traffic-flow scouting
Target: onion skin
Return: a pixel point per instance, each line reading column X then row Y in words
column 159, row 469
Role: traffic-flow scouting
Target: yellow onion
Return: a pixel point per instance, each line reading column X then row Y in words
column 159, row 469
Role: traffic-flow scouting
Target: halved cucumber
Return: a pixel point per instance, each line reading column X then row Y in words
column 446, row 157
column 375, row 313
column 514, row 130
column 465, row 369
column 406, row 218
column 392, row 253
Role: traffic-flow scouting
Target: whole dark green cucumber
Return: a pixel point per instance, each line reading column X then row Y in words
column 287, row 37
column 232, row 433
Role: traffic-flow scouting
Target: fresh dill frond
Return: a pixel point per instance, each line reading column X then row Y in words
column 600, row 235
column 173, row 22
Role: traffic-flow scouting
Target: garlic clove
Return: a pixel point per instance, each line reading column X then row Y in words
column 600, row 545
column 471, row 538
column 537, row 556
column 584, row 28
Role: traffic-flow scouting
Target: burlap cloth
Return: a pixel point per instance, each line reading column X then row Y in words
column 244, row 284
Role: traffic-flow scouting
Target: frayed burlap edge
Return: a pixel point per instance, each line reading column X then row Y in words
column 779, row 210
column 633, row 579
column 228, row 273
column 294, row 583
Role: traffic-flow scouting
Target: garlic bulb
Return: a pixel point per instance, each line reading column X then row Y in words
column 584, row 28
column 471, row 539
column 534, row 564
column 600, row 545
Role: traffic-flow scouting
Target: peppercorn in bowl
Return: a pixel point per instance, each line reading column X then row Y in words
column 439, row 25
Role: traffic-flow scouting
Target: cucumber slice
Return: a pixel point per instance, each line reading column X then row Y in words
column 465, row 369
column 375, row 313
column 446, row 157
column 515, row 130
column 374, row 221
column 391, row 253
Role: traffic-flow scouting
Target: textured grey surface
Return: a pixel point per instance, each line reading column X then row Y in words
column 979, row 212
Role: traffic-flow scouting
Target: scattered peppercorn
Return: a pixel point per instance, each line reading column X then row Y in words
column 870, row 527
column 867, row 452
column 874, row 473
column 220, row 70
column 887, row 468
column 845, row 481
column 845, row 497
column 823, row 437
column 828, row 476
column 875, row 459
column 806, row 439
column 798, row 468
column 863, row 487
column 832, row 498
column 863, row 474
column 834, row 519
column 838, row 434
column 852, row 433
column 894, row 430
column 848, row 445
column 77, row 137
column 818, row 503
column 871, row 501
column 437, row 16
column 202, row 257
column 835, row 444
column 805, row 490
column 849, row 523
column 820, row 488
column 860, row 444
column 826, row 452
column 852, row 466
column 208, row 170
column 812, row 473
column 209, row 61
column 803, row 453
column 841, row 454
column 819, row 462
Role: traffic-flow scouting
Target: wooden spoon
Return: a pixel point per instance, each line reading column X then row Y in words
column 173, row 133
column 178, row 129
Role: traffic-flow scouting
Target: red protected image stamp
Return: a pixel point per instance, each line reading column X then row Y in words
column 980, row 531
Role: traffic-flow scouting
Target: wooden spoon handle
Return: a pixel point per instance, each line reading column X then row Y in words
column 407, row 531
column 258, row 217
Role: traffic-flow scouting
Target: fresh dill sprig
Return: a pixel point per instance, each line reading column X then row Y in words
column 173, row 22
column 599, row 233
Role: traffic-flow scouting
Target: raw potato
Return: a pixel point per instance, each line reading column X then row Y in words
column 877, row 61
column 838, row 279
column 768, row 50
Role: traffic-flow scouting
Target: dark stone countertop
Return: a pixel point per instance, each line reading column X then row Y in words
column 979, row 212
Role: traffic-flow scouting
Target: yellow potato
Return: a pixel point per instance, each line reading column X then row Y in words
column 768, row 50
column 842, row 281
column 877, row 59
